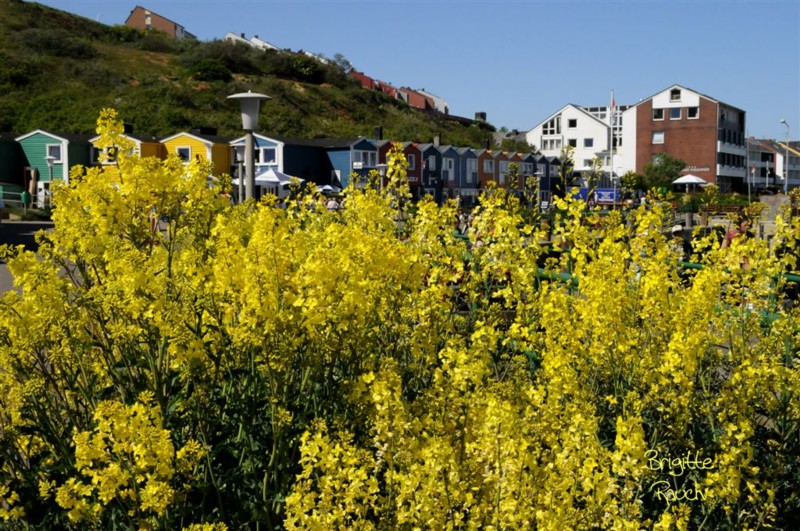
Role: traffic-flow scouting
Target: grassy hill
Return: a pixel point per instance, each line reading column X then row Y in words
column 57, row 70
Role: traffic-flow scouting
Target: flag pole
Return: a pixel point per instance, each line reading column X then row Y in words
column 611, row 144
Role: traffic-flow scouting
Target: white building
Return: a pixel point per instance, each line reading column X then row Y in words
column 440, row 104
column 587, row 130
column 255, row 41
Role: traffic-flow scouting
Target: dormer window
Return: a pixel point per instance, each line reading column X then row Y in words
column 675, row 95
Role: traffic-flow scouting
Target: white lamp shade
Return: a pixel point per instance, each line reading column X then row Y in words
column 250, row 102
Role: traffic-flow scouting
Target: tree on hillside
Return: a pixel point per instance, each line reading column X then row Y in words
column 662, row 171
column 342, row 62
column 517, row 146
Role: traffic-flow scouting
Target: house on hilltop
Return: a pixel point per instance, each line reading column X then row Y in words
column 144, row 19
column 254, row 41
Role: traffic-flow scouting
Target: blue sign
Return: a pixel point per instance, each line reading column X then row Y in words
column 607, row 195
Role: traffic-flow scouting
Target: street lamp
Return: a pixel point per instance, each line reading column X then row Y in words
column 239, row 174
column 786, row 171
column 382, row 172
column 539, row 174
column 50, row 159
column 249, row 102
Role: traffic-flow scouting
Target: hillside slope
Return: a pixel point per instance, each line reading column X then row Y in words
column 57, row 70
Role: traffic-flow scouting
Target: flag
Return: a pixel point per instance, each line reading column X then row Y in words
column 612, row 110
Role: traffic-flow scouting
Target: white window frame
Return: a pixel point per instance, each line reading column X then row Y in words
column 689, row 116
column 658, row 137
column 654, row 114
column 448, row 164
column 261, row 158
column 570, row 122
column 573, row 142
column 472, row 169
column 673, row 109
column 60, row 156
column 502, row 169
column 675, row 95
column 588, row 142
column 412, row 161
column 368, row 159
column 431, row 163
column 178, row 150
column 488, row 166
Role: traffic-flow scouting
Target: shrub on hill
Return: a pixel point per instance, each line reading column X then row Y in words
column 57, row 42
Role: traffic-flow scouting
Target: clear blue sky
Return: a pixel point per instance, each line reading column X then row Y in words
column 522, row 60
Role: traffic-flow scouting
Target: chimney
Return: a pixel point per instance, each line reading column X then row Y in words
column 211, row 131
column 488, row 144
column 437, row 139
column 255, row 36
column 379, row 133
column 242, row 34
column 480, row 116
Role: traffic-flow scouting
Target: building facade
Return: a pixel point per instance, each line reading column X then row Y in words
column 144, row 19
column 705, row 133
column 708, row 135
column 587, row 133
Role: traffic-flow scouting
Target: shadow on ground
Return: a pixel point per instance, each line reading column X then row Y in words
column 22, row 232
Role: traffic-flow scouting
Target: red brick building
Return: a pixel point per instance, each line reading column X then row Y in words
column 366, row 81
column 144, row 19
column 708, row 135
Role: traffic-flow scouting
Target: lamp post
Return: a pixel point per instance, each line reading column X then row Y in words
column 50, row 159
column 786, row 171
column 239, row 174
column 382, row 172
column 249, row 102
column 539, row 174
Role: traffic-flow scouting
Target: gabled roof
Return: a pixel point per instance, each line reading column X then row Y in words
column 241, row 139
column 569, row 106
column 466, row 151
column 64, row 137
column 428, row 146
column 406, row 145
column 714, row 100
column 764, row 144
column 152, row 13
column 261, row 43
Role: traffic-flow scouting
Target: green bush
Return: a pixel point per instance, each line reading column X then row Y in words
column 156, row 41
column 123, row 33
column 57, row 42
column 237, row 58
column 211, row 70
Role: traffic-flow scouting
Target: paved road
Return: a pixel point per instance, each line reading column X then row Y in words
column 18, row 233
